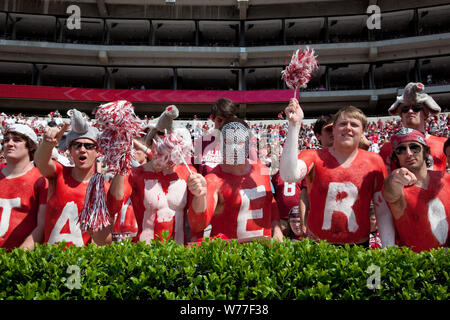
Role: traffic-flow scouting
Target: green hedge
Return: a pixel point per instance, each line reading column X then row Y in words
column 223, row 270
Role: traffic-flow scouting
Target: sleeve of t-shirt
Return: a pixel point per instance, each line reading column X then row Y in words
column 42, row 190
column 59, row 168
column 380, row 172
column 274, row 214
column 308, row 157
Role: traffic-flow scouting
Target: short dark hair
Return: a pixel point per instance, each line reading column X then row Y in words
column 321, row 122
column 223, row 107
column 446, row 144
column 52, row 123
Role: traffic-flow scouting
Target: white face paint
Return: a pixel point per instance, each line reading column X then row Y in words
column 236, row 143
column 169, row 150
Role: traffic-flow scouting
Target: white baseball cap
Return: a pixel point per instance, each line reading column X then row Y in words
column 25, row 130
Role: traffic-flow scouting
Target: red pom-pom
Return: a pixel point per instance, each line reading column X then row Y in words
column 95, row 215
column 119, row 125
column 298, row 73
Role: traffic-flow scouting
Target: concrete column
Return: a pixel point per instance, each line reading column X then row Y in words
column 283, row 32
column 372, row 77
column 175, row 79
column 106, row 33
column 328, row 78
column 151, row 36
column 416, row 22
column 417, row 71
column 242, row 33
column 242, row 110
column 35, row 76
column 241, row 80
column 197, row 34
column 108, row 80
column 6, row 24
column 13, row 30
column 326, row 33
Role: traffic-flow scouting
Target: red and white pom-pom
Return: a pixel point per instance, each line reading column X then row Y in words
column 118, row 125
column 298, row 73
column 95, row 215
column 170, row 150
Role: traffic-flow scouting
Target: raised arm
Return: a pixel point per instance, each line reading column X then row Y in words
column 43, row 155
column 290, row 170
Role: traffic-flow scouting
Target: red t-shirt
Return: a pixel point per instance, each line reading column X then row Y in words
column 340, row 197
column 436, row 144
column 64, row 207
column 248, row 209
column 126, row 220
column 20, row 199
column 287, row 194
column 425, row 222
column 159, row 202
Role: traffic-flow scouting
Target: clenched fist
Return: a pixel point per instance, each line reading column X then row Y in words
column 197, row 185
column 294, row 112
column 403, row 177
column 52, row 135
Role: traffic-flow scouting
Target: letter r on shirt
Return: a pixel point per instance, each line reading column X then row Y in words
column 340, row 197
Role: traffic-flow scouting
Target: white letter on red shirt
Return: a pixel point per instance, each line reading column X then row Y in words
column 340, row 197
column 7, row 205
column 438, row 220
column 246, row 214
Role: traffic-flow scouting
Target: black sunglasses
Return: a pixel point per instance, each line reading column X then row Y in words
column 86, row 145
column 415, row 108
column 414, row 147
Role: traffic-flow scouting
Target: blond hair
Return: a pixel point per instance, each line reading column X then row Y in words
column 352, row 112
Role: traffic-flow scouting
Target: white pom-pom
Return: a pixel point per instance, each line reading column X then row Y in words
column 298, row 73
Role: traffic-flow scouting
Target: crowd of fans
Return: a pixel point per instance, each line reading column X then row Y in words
column 163, row 191
column 269, row 137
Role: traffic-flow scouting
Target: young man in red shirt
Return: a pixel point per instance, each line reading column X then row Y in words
column 68, row 185
column 418, row 198
column 342, row 180
column 414, row 106
column 23, row 191
column 235, row 197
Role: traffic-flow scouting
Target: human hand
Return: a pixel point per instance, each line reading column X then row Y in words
column 197, row 185
column 294, row 112
column 403, row 177
column 52, row 135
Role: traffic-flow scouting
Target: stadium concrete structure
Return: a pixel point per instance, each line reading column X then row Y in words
column 191, row 52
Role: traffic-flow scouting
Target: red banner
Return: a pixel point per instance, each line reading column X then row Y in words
column 164, row 96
